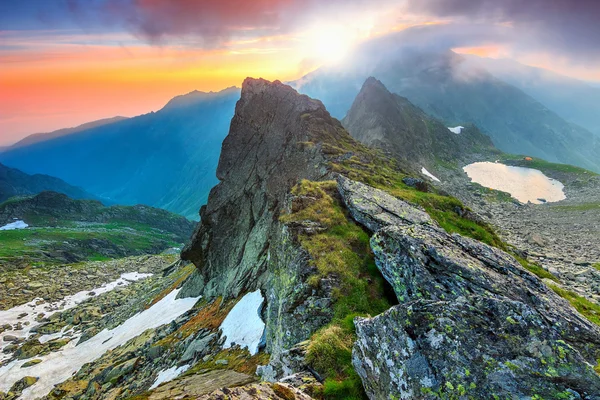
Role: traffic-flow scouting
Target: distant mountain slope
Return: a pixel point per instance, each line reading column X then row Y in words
column 445, row 87
column 575, row 101
column 165, row 159
column 41, row 137
column 381, row 119
column 17, row 183
column 58, row 229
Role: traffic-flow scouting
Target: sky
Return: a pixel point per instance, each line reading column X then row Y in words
column 67, row 62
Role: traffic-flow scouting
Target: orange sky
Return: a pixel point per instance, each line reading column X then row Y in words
column 57, row 78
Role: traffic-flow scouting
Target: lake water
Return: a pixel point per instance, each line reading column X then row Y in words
column 524, row 184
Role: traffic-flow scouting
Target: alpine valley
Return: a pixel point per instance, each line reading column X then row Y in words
column 440, row 240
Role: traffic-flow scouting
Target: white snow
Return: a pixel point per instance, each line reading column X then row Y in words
column 456, row 129
column 243, row 325
column 429, row 174
column 61, row 365
column 14, row 225
column 168, row 375
column 32, row 309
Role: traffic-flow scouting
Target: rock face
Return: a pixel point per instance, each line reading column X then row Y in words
column 375, row 209
column 382, row 119
column 275, row 140
column 470, row 320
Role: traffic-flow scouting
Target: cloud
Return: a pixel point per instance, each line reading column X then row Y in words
column 211, row 23
column 569, row 28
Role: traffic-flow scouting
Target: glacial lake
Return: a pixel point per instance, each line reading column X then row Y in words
column 524, row 184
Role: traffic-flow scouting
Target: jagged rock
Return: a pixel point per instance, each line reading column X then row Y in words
column 471, row 322
column 198, row 346
column 201, row 384
column 374, row 208
column 382, row 119
column 261, row 391
column 23, row 384
column 275, row 141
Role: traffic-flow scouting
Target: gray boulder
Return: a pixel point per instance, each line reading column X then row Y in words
column 471, row 323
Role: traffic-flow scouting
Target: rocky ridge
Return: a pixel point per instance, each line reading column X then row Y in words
column 471, row 320
column 381, row 119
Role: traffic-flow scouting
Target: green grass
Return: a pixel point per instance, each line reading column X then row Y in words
column 536, row 269
column 343, row 251
column 382, row 174
column 543, row 165
column 28, row 243
column 596, row 266
column 587, row 308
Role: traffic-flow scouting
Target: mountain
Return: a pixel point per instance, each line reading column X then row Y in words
column 317, row 274
column 41, row 137
column 55, row 228
column 289, row 223
column 379, row 118
column 165, row 159
column 445, row 87
column 574, row 100
column 17, row 183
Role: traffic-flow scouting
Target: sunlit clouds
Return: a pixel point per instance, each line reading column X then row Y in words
column 63, row 63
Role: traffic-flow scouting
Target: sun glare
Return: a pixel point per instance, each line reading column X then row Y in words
column 330, row 44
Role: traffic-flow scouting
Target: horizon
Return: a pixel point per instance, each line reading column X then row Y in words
column 66, row 63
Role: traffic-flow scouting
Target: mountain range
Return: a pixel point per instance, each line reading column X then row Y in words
column 17, row 183
column 164, row 159
column 573, row 100
column 445, row 86
column 168, row 159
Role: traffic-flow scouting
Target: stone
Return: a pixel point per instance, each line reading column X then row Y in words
column 374, row 208
column 31, row 363
column 465, row 306
column 23, row 384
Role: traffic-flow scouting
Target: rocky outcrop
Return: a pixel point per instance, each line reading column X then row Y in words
column 390, row 122
column 276, row 139
column 375, row 209
column 470, row 321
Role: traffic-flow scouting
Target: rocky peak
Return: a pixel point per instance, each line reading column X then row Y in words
column 275, row 140
column 390, row 122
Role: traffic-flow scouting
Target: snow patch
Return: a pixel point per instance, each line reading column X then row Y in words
column 243, row 325
column 61, row 365
column 33, row 309
column 14, row 225
column 456, row 129
column 168, row 375
column 429, row 174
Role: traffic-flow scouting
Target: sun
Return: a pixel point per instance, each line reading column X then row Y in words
column 329, row 44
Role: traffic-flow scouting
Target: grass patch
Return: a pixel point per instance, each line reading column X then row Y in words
column 587, row 308
column 543, row 165
column 448, row 211
column 577, row 207
column 341, row 250
column 596, row 266
column 535, row 269
column 28, row 244
column 210, row 316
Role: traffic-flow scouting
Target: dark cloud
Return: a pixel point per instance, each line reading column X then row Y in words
column 569, row 28
column 212, row 22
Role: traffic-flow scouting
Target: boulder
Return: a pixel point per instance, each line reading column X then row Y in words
column 471, row 322
column 374, row 208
